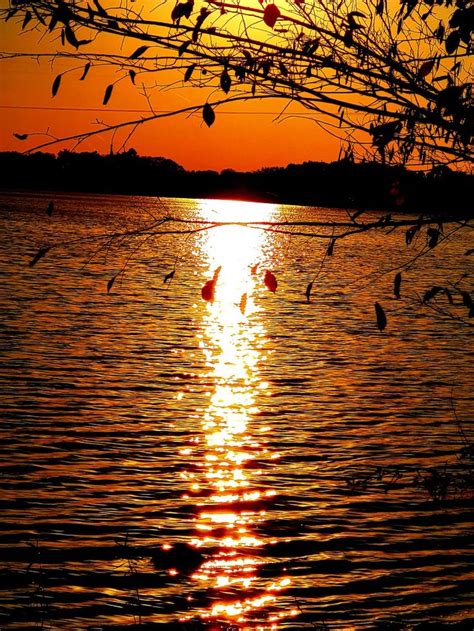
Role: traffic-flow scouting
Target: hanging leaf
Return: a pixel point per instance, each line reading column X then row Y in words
column 71, row 36
column 243, row 303
column 39, row 255
column 433, row 237
column 85, row 71
column 208, row 115
column 308, row 291
column 21, row 136
column 254, row 269
column 208, row 289
column 50, row 209
column 452, row 42
column 381, row 317
column 410, row 233
column 330, row 248
column 466, row 299
column 111, row 282
column 132, row 75
column 270, row 281
column 26, row 20
column 225, row 81
column 56, row 84
column 271, row 15
column 425, row 68
column 189, row 72
column 168, row 277
column 396, row 285
column 139, row 52
column 283, row 69
column 182, row 9
column 108, row 94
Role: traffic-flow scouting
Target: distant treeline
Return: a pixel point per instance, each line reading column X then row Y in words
column 342, row 184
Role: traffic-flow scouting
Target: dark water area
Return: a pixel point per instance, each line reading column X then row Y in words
column 249, row 463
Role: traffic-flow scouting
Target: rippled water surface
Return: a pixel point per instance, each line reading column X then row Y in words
column 244, row 463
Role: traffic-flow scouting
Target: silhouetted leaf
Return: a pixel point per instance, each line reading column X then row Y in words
column 182, row 9
column 71, row 36
column 330, row 248
column 189, row 72
column 433, row 237
column 85, row 71
column 168, row 277
column 308, row 291
column 183, row 48
column 56, row 84
column 270, row 281
column 410, row 233
column 111, row 282
column 139, row 52
column 449, row 296
column 431, row 293
column 21, row 136
column 132, row 74
column 108, row 94
column 380, row 7
column 466, row 253
column 425, row 68
column 466, row 299
column 26, row 20
column 283, row 69
column 39, row 255
column 225, row 81
column 243, row 303
column 271, row 14
column 208, row 115
column 452, row 42
column 396, row 285
column 200, row 19
column 50, row 209
column 381, row 317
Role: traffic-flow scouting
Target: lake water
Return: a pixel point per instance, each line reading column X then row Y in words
column 245, row 433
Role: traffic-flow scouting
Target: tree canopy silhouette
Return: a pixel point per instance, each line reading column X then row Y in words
column 390, row 78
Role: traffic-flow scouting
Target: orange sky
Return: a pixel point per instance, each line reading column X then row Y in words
column 244, row 136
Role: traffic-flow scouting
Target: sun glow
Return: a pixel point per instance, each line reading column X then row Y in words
column 231, row 509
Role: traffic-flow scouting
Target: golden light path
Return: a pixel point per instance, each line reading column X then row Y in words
column 229, row 495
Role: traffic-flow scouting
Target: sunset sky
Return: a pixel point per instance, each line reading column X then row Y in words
column 244, row 135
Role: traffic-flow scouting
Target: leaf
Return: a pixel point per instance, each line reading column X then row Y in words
column 452, row 42
column 381, row 317
column 449, row 296
column 271, row 15
column 308, row 291
column 56, row 84
column 39, row 255
column 71, row 36
column 225, row 81
column 168, row 277
column 132, row 75
column 330, row 248
column 85, row 71
column 466, row 253
column 182, row 9
column 21, row 136
column 254, row 268
column 410, row 233
column 433, row 237
column 431, row 293
column 270, row 281
column 396, row 285
column 189, row 72
column 183, row 48
column 108, row 94
column 111, row 282
column 466, row 299
column 283, row 69
column 26, row 20
column 208, row 290
column 243, row 303
column 50, row 209
column 425, row 68
column 208, row 115
column 139, row 52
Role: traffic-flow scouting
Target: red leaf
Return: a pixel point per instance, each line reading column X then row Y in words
column 270, row 281
column 208, row 289
column 271, row 15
